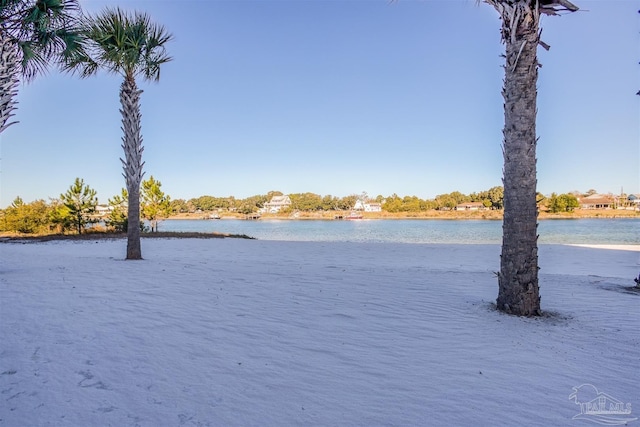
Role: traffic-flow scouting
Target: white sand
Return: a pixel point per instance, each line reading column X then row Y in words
column 634, row 248
column 262, row 333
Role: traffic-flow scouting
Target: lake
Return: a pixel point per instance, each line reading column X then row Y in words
column 565, row 231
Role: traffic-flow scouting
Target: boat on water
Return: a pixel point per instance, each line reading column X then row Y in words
column 354, row 215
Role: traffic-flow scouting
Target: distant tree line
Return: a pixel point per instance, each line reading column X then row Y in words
column 308, row 202
column 562, row 203
column 72, row 211
column 311, row 202
column 492, row 198
column 76, row 210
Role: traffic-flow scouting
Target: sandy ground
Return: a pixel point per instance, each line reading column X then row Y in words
column 233, row 332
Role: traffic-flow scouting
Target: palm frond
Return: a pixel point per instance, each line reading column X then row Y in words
column 32, row 61
column 124, row 43
column 39, row 30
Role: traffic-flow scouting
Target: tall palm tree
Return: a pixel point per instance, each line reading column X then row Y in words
column 132, row 46
column 518, row 291
column 32, row 33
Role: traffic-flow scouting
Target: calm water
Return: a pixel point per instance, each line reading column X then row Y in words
column 592, row 231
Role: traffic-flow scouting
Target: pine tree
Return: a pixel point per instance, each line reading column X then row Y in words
column 81, row 201
column 156, row 206
column 118, row 211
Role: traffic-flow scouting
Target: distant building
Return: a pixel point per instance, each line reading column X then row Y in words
column 597, row 201
column 373, row 207
column 103, row 210
column 631, row 203
column 471, row 206
column 361, row 205
column 277, row 203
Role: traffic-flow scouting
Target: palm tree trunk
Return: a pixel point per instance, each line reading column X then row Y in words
column 132, row 165
column 518, row 278
column 9, row 72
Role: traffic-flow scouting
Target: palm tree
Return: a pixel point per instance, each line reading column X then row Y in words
column 518, row 291
column 129, row 45
column 32, row 33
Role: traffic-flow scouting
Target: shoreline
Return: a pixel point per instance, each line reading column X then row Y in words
column 200, row 226
column 427, row 215
column 103, row 236
column 629, row 247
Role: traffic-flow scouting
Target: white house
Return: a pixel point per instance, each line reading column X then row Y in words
column 361, row 205
column 103, row 210
column 632, row 202
column 373, row 207
column 277, row 203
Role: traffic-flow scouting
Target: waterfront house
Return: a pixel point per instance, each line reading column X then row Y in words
column 597, row 201
column 277, row 203
column 361, row 205
column 373, row 207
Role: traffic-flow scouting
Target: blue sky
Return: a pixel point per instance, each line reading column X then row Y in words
column 339, row 97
